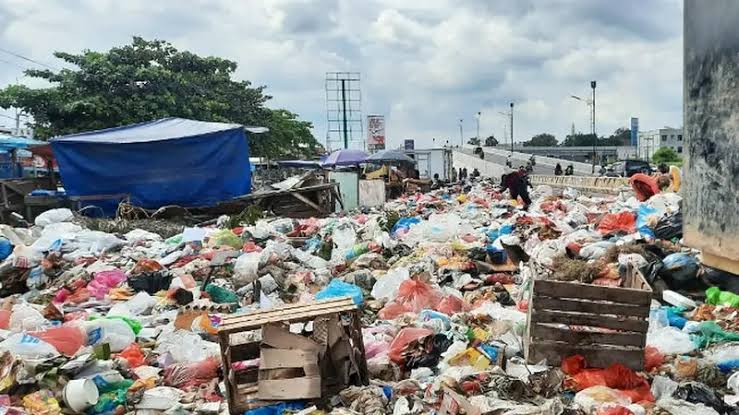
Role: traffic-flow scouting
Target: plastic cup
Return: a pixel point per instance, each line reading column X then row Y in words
column 80, row 394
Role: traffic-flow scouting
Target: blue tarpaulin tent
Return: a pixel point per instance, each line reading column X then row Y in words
column 168, row 161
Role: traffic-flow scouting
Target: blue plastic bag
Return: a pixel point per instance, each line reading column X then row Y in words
column 277, row 409
column 680, row 266
column 497, row 233
column 6, row 248
column 339, row 288
column 497, row 256
column 427, row 315
column 404, row 224
column 642, row 216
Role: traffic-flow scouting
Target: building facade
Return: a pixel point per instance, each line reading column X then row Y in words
column 651, row 140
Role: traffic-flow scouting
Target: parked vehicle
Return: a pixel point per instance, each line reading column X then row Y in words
column 628, row 168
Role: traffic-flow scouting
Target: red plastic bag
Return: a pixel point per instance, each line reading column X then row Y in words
column 614, row 222
column 618, row 376
column 4, row 319
column 586, row 378
column 133, row 355
column 66, row 339
column 184, row 375
column 644, row 186
column 413, row 296
column 615, row 410
column 405, row 337
column 451, row 304
column 573, row 365
column 653, row 358
column 640, row 394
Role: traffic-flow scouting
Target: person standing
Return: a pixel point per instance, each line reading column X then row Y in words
column 558, row 170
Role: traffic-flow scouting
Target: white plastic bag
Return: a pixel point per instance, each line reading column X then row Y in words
column 386, row 288
column 28, row 347
column 670, row 340
column 185, row 346
column 115, row 332
column 137, row 235
column 54, row 216
column 23, row 317
column 246, row 268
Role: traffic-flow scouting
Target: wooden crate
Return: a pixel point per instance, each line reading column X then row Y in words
column 242, row 386
column 617, row 319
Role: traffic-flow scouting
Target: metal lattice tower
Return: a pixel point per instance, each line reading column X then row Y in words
column 344, row 111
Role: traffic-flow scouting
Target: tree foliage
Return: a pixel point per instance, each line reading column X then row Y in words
column 541, row 140
column 491, row 141
column 665, row 155
column 147, row 80
column 620, row 137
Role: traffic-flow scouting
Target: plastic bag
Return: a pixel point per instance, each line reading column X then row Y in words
column 225, row 237
column 618, row 222
column 652, row 358
column 644, row 186
column 403, row 339
column 403, row 225
column 6, row 248
column 246, row 268
column 221, row 295
column 451, row 304
column 133, row 355
column 592, row 398
column 573, row 365
column 338, row 288
column 715, row 296
column 413, row 296
column 711, row 333
column 66, row 340
column 115, row 332
column 670, row 227
column 645, row 217
column 184, row 375
column 615, row 410
column 386, row 288
column 28, row 347
column 670, row 340
column 54, row 216
column 185, row 346
column 104, row 281
column 680, row 267
column 26, row 318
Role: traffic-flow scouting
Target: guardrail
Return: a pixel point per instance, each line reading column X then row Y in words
column 610, row 185
column 522, row 158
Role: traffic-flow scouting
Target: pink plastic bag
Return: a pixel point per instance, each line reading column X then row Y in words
column 67, row 340
column 405, row 337
column 413, row 296
column 104, row 281
column 184, row 375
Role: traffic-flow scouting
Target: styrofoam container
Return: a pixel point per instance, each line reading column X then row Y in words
column 80, row 394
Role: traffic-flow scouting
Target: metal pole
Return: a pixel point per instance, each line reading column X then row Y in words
column 343, row 110
column 511, row 127
column 595, row 136
column 478, row 126
column 461, row 135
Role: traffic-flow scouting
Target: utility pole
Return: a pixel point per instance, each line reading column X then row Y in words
column 461, row 134
column 595, row 136
column 479, row 114
column 511, row 127
column 343, row 116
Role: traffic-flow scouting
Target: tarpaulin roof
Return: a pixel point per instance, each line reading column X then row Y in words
column 10, row 142
column 158, row 130
column 169, row 161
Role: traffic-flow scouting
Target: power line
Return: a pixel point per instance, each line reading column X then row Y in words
column 27, row 59
column 12, row 63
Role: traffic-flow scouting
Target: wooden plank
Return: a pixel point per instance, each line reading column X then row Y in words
column 342, row 300
column 317, row 308
column 308, row 202
column 539, row 331
column 585, row 306
column 559, row 289
column 595, row 356
column 570, row 318
column 294, row 317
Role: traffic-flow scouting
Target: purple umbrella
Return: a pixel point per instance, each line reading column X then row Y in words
column 345, row 158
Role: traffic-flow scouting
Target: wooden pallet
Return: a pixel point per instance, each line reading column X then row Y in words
column 616, row 319
column 242, row 385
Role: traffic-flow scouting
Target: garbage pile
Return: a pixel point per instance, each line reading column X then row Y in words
column 100, row 323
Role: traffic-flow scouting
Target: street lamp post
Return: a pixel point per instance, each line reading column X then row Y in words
column 595, row 136
column 461, row 135
column 479, row 114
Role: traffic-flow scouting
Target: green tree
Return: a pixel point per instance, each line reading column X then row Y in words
column 578, row 140
column 147, row 80
column 665, row 155
column 491, row 141
column 541, row 140
column 474, row 141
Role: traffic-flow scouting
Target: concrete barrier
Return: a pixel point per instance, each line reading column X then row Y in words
column 610, row 185
column 470, row 162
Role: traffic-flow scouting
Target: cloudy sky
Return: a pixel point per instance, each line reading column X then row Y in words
column 424, row 64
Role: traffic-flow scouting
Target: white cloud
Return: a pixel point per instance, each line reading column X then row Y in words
column 424, row 64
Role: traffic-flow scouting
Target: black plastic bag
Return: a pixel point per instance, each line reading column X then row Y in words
column 696, row 392
column 670, row 227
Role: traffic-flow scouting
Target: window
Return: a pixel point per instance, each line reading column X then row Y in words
column 679, row 150
column 679, row 137
column 664, row 138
